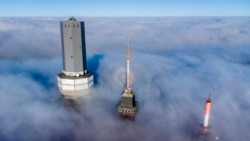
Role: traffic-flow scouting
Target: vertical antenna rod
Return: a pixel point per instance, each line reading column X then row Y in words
column 128, row 86
column 207, row 111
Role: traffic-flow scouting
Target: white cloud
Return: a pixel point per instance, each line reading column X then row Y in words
column 176, row 63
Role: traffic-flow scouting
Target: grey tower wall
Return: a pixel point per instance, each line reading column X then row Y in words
column 73, row 45
column 128, row 101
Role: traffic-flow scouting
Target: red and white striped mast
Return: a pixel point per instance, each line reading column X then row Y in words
column 207, row 113
column 128, row 85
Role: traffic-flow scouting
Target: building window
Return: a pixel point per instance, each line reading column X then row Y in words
column 65, row 25
column 68, row 25
column 70, row 37
column 78, row 25
column 71, row 56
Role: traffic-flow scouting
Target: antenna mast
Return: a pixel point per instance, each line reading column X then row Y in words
column 207, row 111
column 128, row 86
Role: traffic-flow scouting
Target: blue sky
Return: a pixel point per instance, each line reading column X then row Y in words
column 114, row 8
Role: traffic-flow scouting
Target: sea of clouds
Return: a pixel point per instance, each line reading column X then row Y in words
column 176, row 62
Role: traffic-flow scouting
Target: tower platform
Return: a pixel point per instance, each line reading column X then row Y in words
column 73, row 87
column 128, row 106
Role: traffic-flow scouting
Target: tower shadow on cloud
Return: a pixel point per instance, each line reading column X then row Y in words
column 93, row 64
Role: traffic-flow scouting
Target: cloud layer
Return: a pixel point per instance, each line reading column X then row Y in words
column 176, row 63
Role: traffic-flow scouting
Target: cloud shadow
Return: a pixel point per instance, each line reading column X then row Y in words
column 93, row 65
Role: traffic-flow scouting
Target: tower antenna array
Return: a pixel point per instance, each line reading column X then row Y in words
column 128, row 85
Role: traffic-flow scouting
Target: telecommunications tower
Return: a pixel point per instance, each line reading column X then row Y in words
column 128, row 106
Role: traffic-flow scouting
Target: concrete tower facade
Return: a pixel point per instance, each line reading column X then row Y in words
column 74, row 78
column 128, row 106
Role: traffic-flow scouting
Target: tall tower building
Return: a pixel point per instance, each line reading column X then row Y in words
column 74, row 78
column 128, row 106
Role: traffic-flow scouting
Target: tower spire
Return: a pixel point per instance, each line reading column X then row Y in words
column 128, row 84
